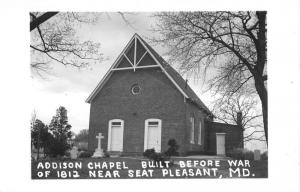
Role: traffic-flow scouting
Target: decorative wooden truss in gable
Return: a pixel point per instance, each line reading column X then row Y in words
column 134, row 56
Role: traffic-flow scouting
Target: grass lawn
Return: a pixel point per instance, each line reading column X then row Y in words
column 131, row 168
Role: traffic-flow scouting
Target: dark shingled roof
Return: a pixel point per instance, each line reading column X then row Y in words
column 178, row 79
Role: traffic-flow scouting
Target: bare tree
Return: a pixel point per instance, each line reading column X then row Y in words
column 82, row 136
column 53, row 37
column 232, row 44
column 227, row 108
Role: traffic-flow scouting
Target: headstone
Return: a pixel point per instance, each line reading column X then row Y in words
column 220, row 142
column 99, row 151
column 256, row 155
column 74, row 153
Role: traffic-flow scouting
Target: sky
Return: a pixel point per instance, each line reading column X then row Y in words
column 70, row 87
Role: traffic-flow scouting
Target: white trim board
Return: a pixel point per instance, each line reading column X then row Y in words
column 138, row 67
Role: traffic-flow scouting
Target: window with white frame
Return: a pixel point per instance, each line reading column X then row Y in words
column 192, row 134
column 199, row 132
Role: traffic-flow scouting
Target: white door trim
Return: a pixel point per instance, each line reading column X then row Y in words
column 109, row 132
column 146, row 133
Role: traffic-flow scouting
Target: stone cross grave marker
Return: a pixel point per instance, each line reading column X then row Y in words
column 99, row 151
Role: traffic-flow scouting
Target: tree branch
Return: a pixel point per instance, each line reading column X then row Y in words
column 241, row 85
column 41, row 19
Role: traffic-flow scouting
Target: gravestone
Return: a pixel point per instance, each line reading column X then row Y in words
column 256, row 155
column 99, row 151
column 74, row 153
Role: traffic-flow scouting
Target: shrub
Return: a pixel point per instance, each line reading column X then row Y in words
column 249, row 155
column 106, row 154
column 57, row 147
column 85, row 154
column 264, row 155
column 240, row 154
column 173, row 147
column 156, row 157
column 149, row 153
column 67, row 154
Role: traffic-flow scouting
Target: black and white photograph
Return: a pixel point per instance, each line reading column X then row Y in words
column 150, row 96
column 168, row 95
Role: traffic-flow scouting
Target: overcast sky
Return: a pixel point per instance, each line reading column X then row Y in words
column 70, row 87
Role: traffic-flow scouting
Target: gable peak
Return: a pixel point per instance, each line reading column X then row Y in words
column 134, row 55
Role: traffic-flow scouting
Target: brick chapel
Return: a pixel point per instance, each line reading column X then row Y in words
column 142, row 103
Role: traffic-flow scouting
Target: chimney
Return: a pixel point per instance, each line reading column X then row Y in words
column 239, row 123
column 239, row 118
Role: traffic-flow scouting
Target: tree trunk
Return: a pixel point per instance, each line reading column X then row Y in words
column 41, row 19
column 258, row 71
column 263, row 95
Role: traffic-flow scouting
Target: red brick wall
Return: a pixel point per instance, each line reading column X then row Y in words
column 159, row 98
column 233, row 138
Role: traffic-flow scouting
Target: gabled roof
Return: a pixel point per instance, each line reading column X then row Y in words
column 170, row 72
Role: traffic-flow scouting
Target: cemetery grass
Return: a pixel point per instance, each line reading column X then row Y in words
column 259, row 168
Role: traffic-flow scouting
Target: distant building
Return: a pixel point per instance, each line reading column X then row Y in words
column 142, row 103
